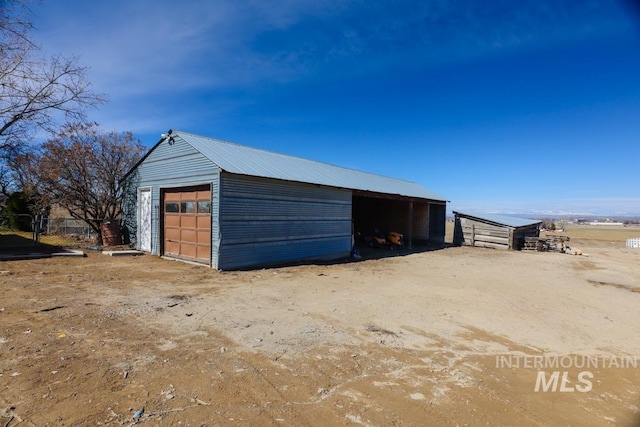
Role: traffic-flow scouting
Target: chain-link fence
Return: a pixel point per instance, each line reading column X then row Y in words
column 68, row 227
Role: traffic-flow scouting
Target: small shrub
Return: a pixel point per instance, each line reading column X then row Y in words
column 19, row 215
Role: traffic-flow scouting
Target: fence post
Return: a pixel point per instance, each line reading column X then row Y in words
column 37, row 224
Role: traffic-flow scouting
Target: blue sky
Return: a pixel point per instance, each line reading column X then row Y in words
column 515, row 107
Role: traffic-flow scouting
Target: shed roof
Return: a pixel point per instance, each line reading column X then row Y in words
column 507, row 220
column 243, row 160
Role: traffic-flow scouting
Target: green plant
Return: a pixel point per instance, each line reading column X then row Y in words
column 19, row 215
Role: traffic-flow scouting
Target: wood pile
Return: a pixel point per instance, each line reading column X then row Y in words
column 533, row 244
column 547, row 244
column 556, row 243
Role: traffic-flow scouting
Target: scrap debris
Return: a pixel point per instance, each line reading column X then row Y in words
column 550, row 244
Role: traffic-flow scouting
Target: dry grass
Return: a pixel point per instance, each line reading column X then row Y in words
column 604, row 233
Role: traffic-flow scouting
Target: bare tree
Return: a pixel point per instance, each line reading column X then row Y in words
column 14, row 173
column 36, row 90
column 81, row 168
column 21, row 168
column 6, row 180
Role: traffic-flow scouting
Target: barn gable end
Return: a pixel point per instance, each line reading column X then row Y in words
column 170, row 166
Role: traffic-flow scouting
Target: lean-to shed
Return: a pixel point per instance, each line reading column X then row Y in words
column 232, row 206
column 493, row 231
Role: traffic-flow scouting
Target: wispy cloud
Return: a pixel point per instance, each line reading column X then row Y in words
column 144, row 53
column 167, row 45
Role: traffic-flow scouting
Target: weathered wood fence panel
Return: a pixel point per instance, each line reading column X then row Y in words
column 484, row 235
column 492, row 233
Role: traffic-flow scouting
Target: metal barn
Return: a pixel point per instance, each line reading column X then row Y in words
column 493, row 231
column 230, row 206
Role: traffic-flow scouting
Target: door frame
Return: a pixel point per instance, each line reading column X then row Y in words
column 148, row 218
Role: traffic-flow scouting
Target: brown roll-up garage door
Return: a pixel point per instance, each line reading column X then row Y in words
column 187, row 223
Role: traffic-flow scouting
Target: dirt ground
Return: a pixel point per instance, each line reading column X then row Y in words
column 448, row 337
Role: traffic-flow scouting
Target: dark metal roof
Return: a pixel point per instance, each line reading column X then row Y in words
column 251, row 161
column 509, row 221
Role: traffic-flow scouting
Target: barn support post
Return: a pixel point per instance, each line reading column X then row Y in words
column 410, row 226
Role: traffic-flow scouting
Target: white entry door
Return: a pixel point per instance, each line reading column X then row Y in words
column 144, row 219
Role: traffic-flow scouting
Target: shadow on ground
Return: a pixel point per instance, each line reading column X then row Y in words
column 365, row 252
column 15, row 244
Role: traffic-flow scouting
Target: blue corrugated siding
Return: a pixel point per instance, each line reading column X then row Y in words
column 170, row 166
column 266, row 221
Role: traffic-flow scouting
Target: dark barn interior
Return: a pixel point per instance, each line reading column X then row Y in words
column 418, row 220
